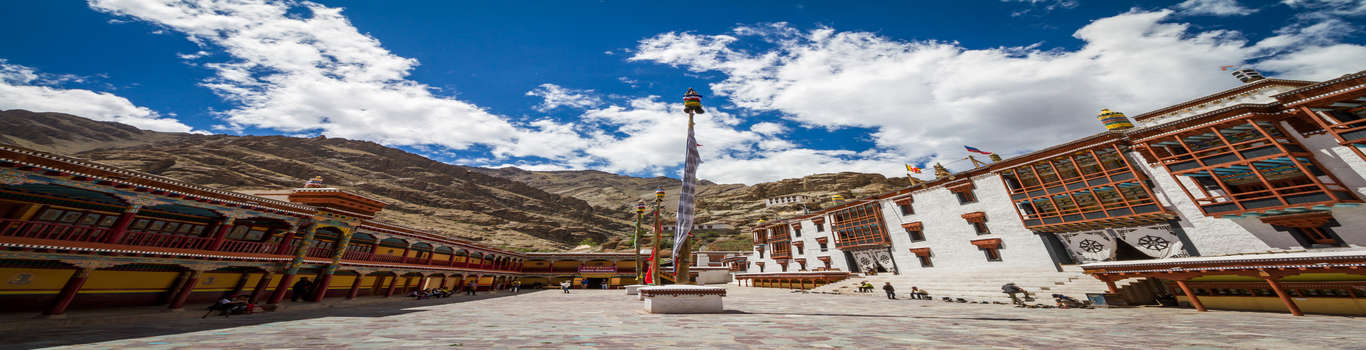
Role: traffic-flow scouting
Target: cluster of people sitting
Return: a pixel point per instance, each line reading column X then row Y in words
column 232, row 306
column 431, row 293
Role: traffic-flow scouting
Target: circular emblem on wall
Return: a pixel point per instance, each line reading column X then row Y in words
column 1091, row 246
column 1151, row 242
column 865, row 261
column 886, row 259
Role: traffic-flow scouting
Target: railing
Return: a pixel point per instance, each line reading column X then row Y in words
column 67, row 232
column 323, row 251
column 357, row 253
column 161, row 240
column 386, row 258
column 50, row 230
column 248, row 247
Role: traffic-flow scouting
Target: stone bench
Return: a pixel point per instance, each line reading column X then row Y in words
column 634, row 289
column 682, row 299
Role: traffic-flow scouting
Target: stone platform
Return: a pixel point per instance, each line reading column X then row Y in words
column 682, row 299
column 634, row 289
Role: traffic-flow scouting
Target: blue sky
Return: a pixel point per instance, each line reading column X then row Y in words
column 792, row 88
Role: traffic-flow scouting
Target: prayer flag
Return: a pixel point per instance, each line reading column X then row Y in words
column 685, row 196
column 975, row 150
column 912, row 168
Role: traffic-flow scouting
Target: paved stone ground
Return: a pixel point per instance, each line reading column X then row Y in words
column 755, row 318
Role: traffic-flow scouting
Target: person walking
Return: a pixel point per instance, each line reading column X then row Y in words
column 516, row 286
column 891, row 292
column 301, row 288
column 564, row 286
column 469, row 290
column 1012, row 290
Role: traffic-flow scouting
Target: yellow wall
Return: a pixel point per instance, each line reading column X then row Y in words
column 1337, row 306
column 441, row 257
column 129, row 281
column 389, row 251
column 33, row 281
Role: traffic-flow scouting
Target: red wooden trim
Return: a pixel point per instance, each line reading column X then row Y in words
column 913, row 226
column 991, row 243
column 920, row 251
column 976, row 216
column 1305, row 220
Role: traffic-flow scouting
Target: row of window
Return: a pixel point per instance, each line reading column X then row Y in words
column 993, row 254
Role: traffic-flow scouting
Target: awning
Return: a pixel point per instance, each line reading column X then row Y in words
column 818, row 220
column 822, row 240
column 975, row 217
column 920, row 251
column 799, row 243
column 913, row 226
column 960, row 187
column 823, row 258
column 1305, row 220
column 991, row 243
column 903, row 200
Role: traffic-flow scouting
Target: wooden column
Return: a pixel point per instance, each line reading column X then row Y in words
column 281, row 288
column 443, row 282
column 1110, row 284
column 285, row 243
column 260, row 287
column 1190, row 295
column 69, row 291
column 355, row 287
column 1285, row 298
column 241, row 284
column 186, row 289
column 392, row 283
column 222, row 233
column 121, row 225
column 320, row 287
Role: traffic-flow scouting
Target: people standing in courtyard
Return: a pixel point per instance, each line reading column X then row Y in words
column 301, row 288
column 891, row 292
column 469, row 290
column 915, row 292
column 564, row 286
column 1012, row 290
column 516, row 286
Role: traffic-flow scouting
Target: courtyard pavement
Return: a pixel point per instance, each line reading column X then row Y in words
column 755, row 318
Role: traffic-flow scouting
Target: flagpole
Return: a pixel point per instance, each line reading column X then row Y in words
column 635, row 240
column 683, row 260
column 659, row 236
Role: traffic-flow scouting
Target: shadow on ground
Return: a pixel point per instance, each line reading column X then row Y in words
column 95, row 332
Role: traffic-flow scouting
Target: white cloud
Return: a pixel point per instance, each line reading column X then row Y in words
column 23, row 87
column 556, row 96
column 1213, row 8
column 1328, row 8
column 301, row 67
column 926, row 99
column 1045, row 5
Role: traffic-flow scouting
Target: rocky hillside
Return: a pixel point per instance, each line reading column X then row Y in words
column 421, row 192
column 508, row 207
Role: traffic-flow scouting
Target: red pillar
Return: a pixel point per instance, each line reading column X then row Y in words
column 185, row 291
column 1195, row 301
column 320, row 287
column 404, row 256
column 241, row 284
column 280, row 289
column 286, row 244
column 355, row 287
column 1111, row 285
column 392, row 284
column 121, row 226
column 68, row 294
column 443, row 282
column 221, row 234
column 260, row 288
column 1285, row 298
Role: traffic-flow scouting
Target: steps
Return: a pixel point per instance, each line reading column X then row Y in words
column 982, row 285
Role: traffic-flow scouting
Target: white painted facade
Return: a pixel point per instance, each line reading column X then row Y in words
column 949, row 237
column 785, row 200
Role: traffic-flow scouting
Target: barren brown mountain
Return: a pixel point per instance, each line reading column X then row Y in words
column 509, row 207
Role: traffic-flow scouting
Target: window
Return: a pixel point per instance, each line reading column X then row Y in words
column 796, row 230
column 820, row 227
column 980, row 228
column 965, row 197
column 992, row 253
column 1317, row 237
column 824, row 247
column 800, row 250
column 906, row 209
column 924, row 260
column 916, row 235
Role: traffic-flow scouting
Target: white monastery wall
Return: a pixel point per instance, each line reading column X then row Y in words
column 1259, row 95
column 1211, row 236
column 950, row 237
